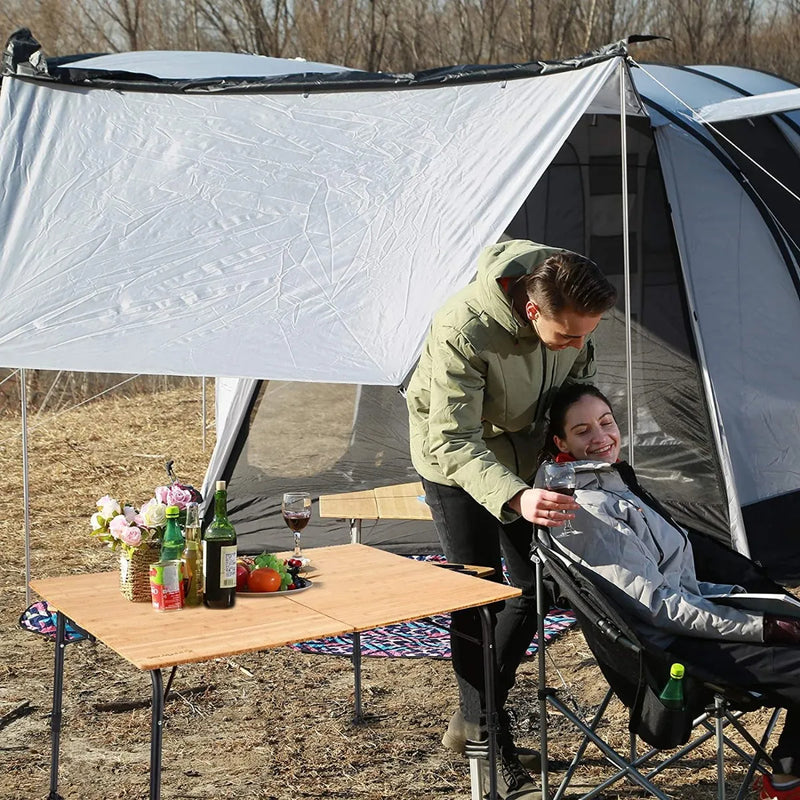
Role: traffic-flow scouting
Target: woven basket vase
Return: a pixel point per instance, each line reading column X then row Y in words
column 134, row 572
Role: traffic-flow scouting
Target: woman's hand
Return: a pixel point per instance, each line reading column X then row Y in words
column 543, row 507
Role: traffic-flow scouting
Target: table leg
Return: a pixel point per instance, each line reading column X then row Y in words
column 156, row 732
column 55, row 717
column 491, row 712
column 358, row 714
column 355, row 531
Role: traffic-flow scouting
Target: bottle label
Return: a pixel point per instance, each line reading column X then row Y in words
column 227, row 567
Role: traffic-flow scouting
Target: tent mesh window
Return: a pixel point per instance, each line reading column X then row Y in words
column 672, row 437
column 323, row 438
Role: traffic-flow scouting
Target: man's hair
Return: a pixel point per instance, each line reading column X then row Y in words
column 569, row 281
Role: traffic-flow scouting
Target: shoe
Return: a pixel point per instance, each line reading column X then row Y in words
column 458, row 731
column 768, row 792
column 513, row 781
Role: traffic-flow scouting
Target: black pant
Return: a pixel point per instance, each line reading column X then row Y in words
column 771, row 670
column 469, row 534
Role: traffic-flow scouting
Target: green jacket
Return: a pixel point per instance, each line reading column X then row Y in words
column 478, row 397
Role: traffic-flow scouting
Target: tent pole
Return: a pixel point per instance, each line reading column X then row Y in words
column 203, row 404
column 626, row 255
column 26, row 497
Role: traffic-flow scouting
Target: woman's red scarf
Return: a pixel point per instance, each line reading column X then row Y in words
column 563, row 458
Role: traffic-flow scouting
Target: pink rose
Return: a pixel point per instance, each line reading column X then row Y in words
column 117, row 525
column 131, row 536
column 179, row 495
column 162, row 495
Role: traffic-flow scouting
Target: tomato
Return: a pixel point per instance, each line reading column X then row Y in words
column 264, row 579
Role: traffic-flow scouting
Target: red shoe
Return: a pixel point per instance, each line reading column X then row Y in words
column 768, row 792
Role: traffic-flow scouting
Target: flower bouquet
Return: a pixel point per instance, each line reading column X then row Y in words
column 137, row 533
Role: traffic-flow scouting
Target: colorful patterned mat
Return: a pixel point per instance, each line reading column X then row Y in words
column 38, row 618
column 426, row 638
column 429, row 638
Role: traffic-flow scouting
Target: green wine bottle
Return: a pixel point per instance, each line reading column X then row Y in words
column 219, row 555
column 672, row 694
column 172, row 544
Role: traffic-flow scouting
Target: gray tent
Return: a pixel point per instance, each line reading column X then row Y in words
column 304, row 225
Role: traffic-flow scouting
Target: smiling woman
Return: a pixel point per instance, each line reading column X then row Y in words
column 680, row 602
column 582, row 424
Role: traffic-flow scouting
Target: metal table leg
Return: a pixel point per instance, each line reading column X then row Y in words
column 156, row 734
column 55, row 717
column 358, row 713
column 491, row 712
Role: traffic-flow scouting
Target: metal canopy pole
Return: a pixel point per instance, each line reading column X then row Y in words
column 626, row 255
column 26, row 497
column 203, row 403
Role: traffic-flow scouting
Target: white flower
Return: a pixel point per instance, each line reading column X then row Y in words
column 108, row 507
column 153, row 514
column 98, row 522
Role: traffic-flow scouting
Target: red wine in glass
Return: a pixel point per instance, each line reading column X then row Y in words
column 561, row 478
column 296, row 520
column 296, row 509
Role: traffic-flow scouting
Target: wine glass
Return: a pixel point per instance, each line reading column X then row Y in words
column 561, row 478
column 296, row 508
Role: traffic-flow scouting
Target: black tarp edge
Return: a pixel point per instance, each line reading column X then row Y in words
column 22, row 60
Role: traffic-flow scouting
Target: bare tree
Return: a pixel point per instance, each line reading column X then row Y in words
column 404, row 35
column 249, row 25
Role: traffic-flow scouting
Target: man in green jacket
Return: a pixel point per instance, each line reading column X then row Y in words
column 496, row 353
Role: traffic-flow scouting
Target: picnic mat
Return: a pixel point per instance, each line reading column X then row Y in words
column 38, row 618
column 425, row 638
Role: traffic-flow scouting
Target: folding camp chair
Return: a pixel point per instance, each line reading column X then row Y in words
column 636, row 671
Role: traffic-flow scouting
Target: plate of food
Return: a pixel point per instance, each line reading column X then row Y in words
column 267, row 575
column 303, row 584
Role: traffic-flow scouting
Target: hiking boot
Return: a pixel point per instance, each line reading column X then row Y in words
column 513, row 781
column 458, row 731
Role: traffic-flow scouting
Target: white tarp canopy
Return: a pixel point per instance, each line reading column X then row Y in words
column 297, row 236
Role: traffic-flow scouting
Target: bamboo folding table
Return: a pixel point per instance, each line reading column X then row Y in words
column 389, row 589
column 401, row 501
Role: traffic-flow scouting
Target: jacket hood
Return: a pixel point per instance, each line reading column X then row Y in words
column 511, row 259
column 594, row 474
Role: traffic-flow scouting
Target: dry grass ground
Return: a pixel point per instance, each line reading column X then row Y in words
column 265, row 726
